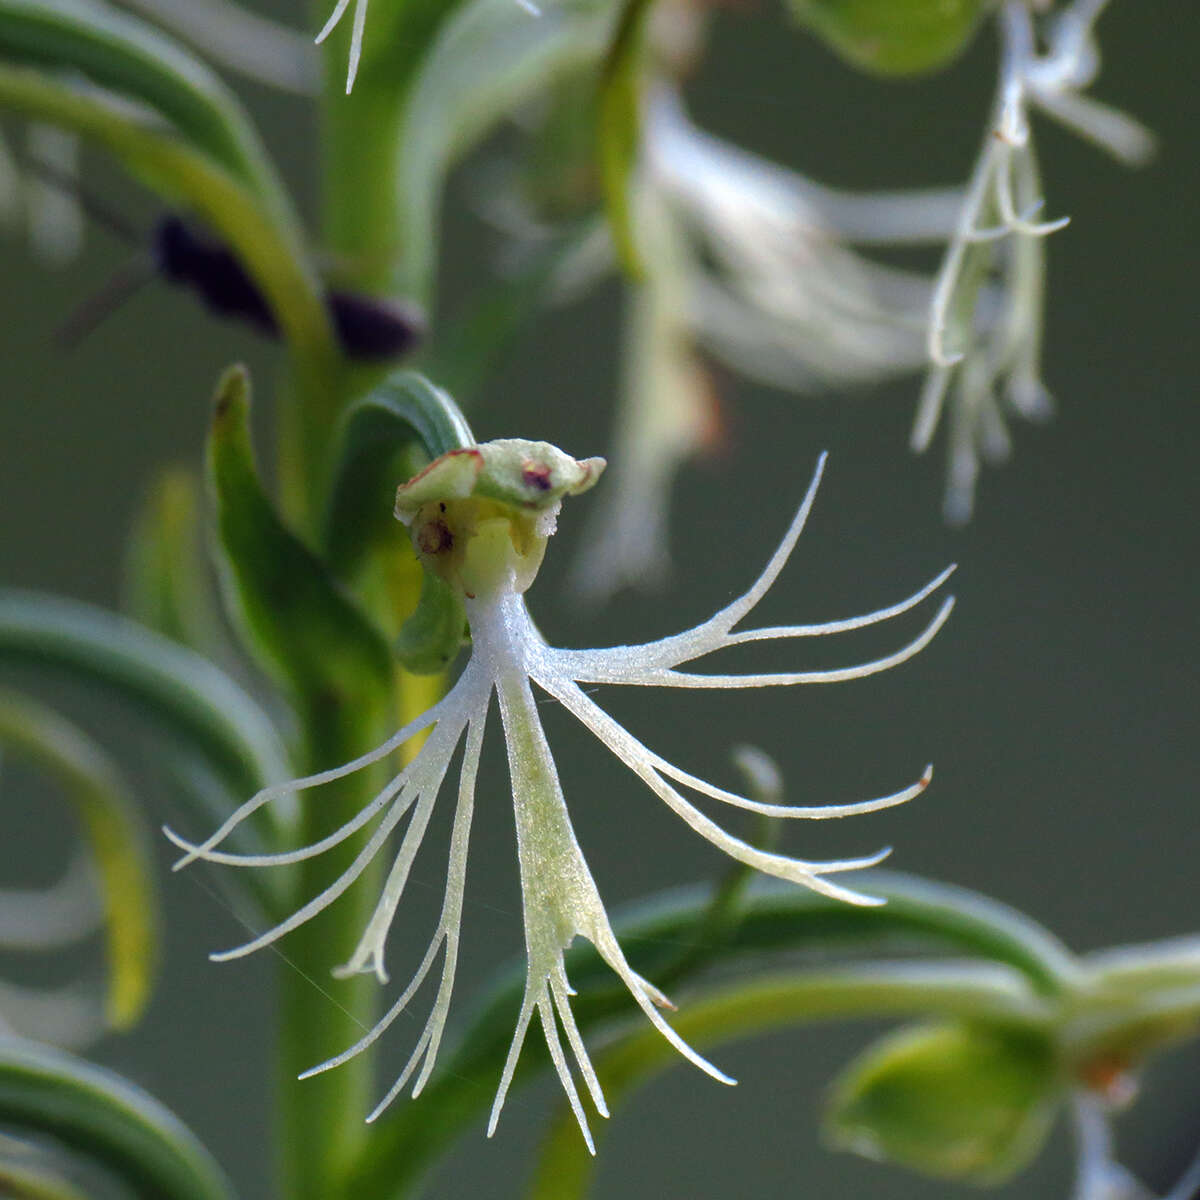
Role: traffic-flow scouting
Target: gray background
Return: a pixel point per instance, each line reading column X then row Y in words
column 1059, row 704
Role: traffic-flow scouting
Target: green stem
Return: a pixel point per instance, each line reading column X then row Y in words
column 321, row 1134
column 565, row 1169
column 320, row 1126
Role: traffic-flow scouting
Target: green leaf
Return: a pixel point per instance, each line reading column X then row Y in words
column 659, row 937
column 123, row 54
column 967, row 1102
column 177, row 691
column 723, row 1013
column 385, row 438
column 893, row 37
column 299, row 625
column 489, row 58
column 167, row 584
column 115, row 835
column 621, row 80
column 431, row 638
column 107, row 1119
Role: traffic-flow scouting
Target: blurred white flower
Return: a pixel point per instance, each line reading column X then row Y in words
column 479, row 519
column 984, row 343
column 750, row 262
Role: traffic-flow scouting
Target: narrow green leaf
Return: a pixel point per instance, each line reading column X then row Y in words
column 488, row 59
column 297, row 622
column 964, row 1101
column 726, row 1012
column 115, row 835
column 177, row 691
column 893, row 37
column 621, row 80
column 109, row 1120
column 126, row 55
column 167, row 584
column 659, row 938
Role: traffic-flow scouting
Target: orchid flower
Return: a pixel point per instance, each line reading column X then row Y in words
column 973, row 343
column 479, row 519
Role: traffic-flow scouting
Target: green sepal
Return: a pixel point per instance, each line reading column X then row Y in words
column 619, row 134
column 893, row 37
column 431, row 638
column 297, row 623
column 967, row 1102
column 167, row 586
column 108, row 1120
column 116, row 838
column 386, row 437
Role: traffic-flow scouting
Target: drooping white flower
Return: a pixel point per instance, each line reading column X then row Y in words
column 984, row 344
column 479, row 519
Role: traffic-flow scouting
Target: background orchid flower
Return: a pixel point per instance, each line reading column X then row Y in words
column 480, row 519
column 985, row 344
column 751, row 264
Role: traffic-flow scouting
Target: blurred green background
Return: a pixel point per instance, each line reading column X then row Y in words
column 1059, row 705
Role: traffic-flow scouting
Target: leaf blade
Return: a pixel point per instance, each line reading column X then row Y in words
column 117, row 839
column 98, row 1114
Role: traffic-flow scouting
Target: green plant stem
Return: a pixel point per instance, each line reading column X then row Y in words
column 321, row 1128
column 565, row 1169
column 320, row 1125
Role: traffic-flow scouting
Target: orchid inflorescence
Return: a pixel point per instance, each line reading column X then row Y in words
column 479, row 519
column 985, row 341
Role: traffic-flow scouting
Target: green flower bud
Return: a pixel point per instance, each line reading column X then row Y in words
column 963, row 1102
column 479, row 517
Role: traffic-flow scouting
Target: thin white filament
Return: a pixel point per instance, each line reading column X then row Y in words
column 372, row 943
column 448, row 932
column 279, row 790
column 668, row 677
column 562, row 1069
column 561, row 992
column 322, row 901
column 510, row 1065
column 356, row 35
column 625, row 747
column 881, row 614
column 611, row 663
column 814, row 812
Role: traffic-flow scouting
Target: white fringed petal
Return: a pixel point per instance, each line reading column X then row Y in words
column 560, row 900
